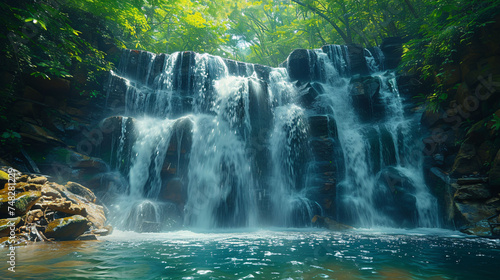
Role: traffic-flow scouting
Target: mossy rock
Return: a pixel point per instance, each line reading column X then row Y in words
column 22, row 204
column 38, row 180
column 5, row 225
column 81, row 191
column 4, row 177
column 68, row 228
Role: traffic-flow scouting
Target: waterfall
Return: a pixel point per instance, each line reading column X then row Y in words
column 207, row 142
column 383, row 180
column 289, row 150
column 221, row 186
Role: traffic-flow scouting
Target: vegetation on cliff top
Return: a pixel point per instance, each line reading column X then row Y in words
column 47, row 36
column 72, row 39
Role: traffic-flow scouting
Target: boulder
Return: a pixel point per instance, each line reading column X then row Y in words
column 96, row 215
column 174, row 191
column 72, row 203
column 81, row 191
column 56, row 87
column 39, row 135
column 299, row 64
column 318, row 126
column 308, row 93
column 23, row 202
column 49, row 191
column 475, row 211
column 466, row 161
column 68, row 228
column 365, row 93
column 5, row 225
column 41, row 206
column 473, row 192
column 64, row 206
column 32, row 94
column 480, row 228
column 392, row 48
column 357, row 59
column 38, row 180
column 116, row 90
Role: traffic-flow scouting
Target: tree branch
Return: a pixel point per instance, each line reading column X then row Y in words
column 315, row 10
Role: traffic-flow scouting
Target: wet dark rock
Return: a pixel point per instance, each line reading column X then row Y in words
column 473, row 192
column 475, row 151
column 357, row 59
column 174, row 191
column 116, row 89
column 39, row 135
column 323, row 148
column 480, row 228
column 141, row 65
column 81, row 191
column 299, row 64
column 66, row 164
column 365, row 94
column 67, row 228
column 56, row 87
column 308, row 94
column 475, row 211
column 114, row 128
column 259, row 111
column 318, row 126
column 396, row 198
column 262, row 71
column 392, row 48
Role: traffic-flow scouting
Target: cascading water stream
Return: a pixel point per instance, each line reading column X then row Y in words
column 220, row 144
column 373, row 179
column 289, row 151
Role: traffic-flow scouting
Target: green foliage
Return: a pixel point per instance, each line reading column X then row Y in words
column 435, row 44
column 259, row 31
column 44, row 42
column 11, row 139
column 495, row 123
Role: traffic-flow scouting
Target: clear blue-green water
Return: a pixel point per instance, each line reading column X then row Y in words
column 264, row 254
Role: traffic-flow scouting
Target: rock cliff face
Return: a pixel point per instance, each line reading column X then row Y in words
column 463, row 140
column 70, row 136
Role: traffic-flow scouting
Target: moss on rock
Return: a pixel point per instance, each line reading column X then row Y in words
column 22, row 203
column 68, row 228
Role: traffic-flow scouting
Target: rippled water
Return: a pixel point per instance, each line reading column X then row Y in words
column 264, row 254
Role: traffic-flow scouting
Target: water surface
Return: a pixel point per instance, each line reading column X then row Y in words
column 264, row 254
